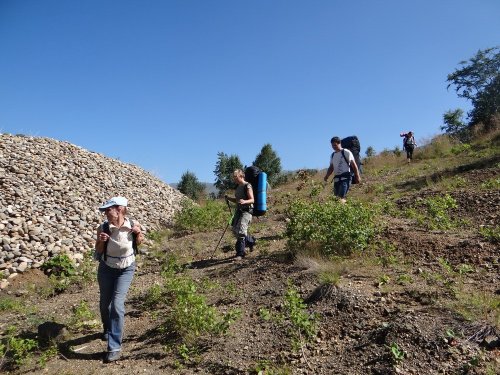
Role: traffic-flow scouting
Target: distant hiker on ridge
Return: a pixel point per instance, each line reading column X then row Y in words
column 341, row 162
column 409, row 145
column 244, row 198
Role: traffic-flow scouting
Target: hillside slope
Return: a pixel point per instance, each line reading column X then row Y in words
column 419, row 299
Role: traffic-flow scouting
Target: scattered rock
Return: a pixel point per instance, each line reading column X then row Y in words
column 51, row 332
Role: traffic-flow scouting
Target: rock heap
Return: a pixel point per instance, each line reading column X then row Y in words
column 49, row 195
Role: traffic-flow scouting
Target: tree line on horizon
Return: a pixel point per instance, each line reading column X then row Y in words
column 267, row 160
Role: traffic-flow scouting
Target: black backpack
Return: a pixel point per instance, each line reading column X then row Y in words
column 353, row 176
column 352, row 144
column 252, row 175
column 105, row 229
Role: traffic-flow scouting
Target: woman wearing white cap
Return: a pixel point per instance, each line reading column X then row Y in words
column 116, row 240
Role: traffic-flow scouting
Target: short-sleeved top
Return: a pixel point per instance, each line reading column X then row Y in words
column 241, row 192
column 340, row 166
column 120, row 252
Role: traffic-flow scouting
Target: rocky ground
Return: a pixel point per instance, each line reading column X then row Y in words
column 422, row 302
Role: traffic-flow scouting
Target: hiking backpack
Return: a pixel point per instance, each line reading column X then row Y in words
column 105, row 229
column 258, row 180
column 353, row 176
column 352, row 144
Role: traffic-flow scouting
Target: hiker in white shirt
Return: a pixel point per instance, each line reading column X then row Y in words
column 342, row 163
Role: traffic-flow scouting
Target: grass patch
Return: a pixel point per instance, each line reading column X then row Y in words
column 492, row 234
column 491, row 184
column 10, row 304
column 478, row 306
column 434, row 212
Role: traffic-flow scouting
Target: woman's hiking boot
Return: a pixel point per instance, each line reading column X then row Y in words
column 240, row 247
column 250, row 242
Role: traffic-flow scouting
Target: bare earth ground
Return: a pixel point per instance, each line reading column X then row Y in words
column 359, row 319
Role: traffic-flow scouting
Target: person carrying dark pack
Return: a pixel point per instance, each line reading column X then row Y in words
column 343, row 164
column 352, row 144
column 409, row 145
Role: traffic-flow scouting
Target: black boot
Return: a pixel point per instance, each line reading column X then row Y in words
column 250, row 242
column 240, row 247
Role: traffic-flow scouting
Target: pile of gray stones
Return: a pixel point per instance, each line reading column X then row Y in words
column 50, row 192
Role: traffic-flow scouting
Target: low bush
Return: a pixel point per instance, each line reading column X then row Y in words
column 330, row 228
column 304, row 325
column 60, row 265
column 191, row 315
column 460, row 148
column 16, row 350
column 200, row 218
column 83, row 318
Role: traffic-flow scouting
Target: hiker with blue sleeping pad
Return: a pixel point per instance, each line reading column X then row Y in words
column 343, row 164
column 244, row 199
column 116, row 247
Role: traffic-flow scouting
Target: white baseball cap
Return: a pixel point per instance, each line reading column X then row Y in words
column 115, row 201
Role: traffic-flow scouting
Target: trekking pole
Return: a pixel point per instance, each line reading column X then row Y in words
column 223, row 233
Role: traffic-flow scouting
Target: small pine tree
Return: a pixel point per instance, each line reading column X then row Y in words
column 224, row 172
column 370, row 151
column 190, row 186
column 268, row 161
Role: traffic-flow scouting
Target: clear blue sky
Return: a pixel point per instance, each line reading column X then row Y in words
column 167, row 84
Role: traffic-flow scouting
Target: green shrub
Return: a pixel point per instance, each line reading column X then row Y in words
column 154, row 296
column 303, row 324
column 83, row 317
column 157, row 236
column 200, row 218
column 331, row 228
column 460, row 148
column 60, row 265
column 17, row 349
column 86, row 272
column 47, row 354
column 191, row 315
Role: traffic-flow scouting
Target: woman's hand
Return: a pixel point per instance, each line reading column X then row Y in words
column 103, row 237
column 136, row 229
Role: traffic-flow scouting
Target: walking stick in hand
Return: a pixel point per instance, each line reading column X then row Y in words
column 223, row 233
